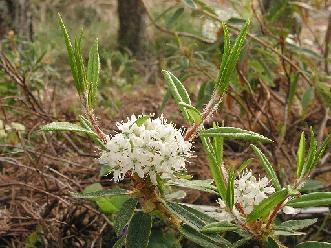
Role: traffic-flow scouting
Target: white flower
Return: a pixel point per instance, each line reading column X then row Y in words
column 155, row 148
column 249, row 191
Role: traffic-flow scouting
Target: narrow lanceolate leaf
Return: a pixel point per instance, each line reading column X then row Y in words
column 93, row 70
column 218, row 227
column 192, row 111
column 202, row 185
column 125, row 214
column 81, row 71
column 71, row 54
column 287, row 232
column 301, row 154
column 313, row 244
column 100, row 193
column 214, row 167
column 139, row 231
column 311, row 154
column 267, row 167
column 233, row 133
column 263, row 209
column 190, row 216
column 65, row 126
column 227, row 46
column 320, row 152
column 230, row 190
column 311, row 200
column 200, row 238
column 231, row 60
column 296, row 224
column 178, row 91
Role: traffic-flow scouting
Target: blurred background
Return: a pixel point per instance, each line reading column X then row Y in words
column 281, row 87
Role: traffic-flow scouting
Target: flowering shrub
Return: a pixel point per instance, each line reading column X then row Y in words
column 151, row 153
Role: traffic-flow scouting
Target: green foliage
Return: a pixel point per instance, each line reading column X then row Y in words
column 101, row 193
column 201, row 239
column 233, row 133
column 93, row 69
column 202, row 185
column 125, row 214
column 190, row 216
column 264, row 208
column 230, row 57
column 139, row 230
column 86, row 81
column 65, row 126
column 214, row 166
column 219, row 227
column 311, row 200
column 178, row 91
column 267, row 167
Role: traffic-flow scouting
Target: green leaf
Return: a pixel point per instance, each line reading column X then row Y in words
column 320, row 152
column 267, row 167
column 230, row 190
column 108, row 205
column 178, row 91
column 292, row 90
column 296, row 224
column 313, row 244
column 311, row 185
column 65, row 126
column 311, row 154
column 214, row 167
column 301, row 154
column 287, row 232
column 100, row 193
column 81, row 72
column 192, row 111
column 268, row 204
column 231, row 60
column 307, row 98
column 125, row 214
column 244, row 165
column 141, row 120
column 120, row 243
column 233, row 133
column 93, row 70
column 311, row 200
column 218, row 227
column 201, row 239
column 190, row 216
column 139, row 230
column 202, row 185
column 71, row 54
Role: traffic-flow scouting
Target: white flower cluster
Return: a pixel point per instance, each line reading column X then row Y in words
column 249, row 192
column 152, row 148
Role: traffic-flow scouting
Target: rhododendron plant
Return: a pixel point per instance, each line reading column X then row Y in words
column 152, row 154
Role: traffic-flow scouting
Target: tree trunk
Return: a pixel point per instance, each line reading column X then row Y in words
column 132, row 26
column 16, row 15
